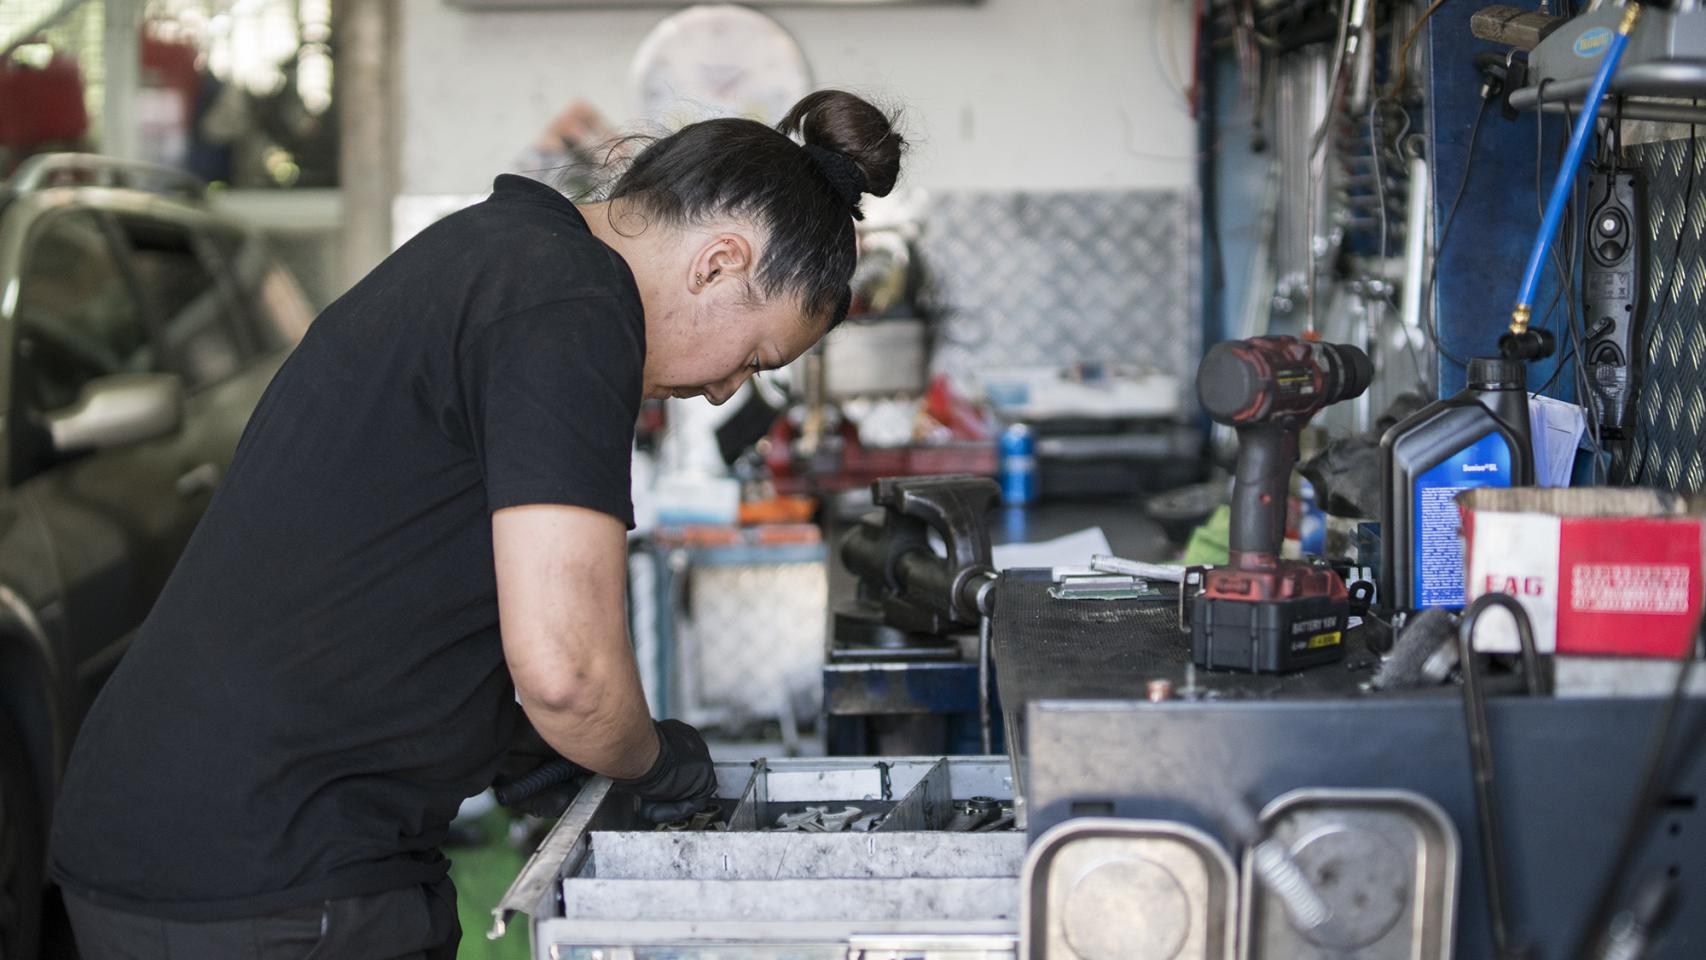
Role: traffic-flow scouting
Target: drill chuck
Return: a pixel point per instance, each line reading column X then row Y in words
column 1241, row 382
column 1267, row 388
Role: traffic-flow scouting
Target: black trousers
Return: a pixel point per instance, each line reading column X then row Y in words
column 413, row 923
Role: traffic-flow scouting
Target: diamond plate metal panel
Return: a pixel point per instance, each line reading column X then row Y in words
column 750, row 640
column 1669, row 446
column 1058, row 278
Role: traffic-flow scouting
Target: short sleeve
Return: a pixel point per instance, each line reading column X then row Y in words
column 551, row 394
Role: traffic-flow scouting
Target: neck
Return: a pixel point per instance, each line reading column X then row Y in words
column 639, row 248
column 636, row 246
column 600, row 219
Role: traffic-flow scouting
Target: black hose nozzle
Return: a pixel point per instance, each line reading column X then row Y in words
column 1531, row 344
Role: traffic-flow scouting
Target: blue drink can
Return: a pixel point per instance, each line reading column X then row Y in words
column 1018, row 466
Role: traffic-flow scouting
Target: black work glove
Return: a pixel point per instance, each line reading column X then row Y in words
column 681, row 780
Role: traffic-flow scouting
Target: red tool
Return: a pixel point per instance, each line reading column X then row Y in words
column 1260, row 612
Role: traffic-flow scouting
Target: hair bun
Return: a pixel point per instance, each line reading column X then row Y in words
column 841, row 123
column 843, row 175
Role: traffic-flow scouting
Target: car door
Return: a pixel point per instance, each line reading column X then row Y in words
column 204, row 338
column 109, row 516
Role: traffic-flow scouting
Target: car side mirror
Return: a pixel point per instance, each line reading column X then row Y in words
column 117, row 410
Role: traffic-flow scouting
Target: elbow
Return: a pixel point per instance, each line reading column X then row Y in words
column 566, row 693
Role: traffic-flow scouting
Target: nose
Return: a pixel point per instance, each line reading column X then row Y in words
column 721, row 393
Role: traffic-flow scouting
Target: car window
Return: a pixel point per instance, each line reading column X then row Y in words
column 191, row 311
column 77, row 316
column 277, row 309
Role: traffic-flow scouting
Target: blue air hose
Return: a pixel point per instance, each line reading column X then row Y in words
column 1567, row 173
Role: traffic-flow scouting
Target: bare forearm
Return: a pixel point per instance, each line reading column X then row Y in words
column 562, row 574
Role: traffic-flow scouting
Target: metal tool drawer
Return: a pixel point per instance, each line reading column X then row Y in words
column 913, row 868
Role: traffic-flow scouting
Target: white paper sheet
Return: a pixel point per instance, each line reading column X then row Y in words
column 1557, row 427
column 1072, row 550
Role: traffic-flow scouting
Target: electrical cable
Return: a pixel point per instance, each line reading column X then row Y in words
column 1584, row 387
column 1647, row 798
column 1374, row 147
column 1336, row 77
column 1566, row 342
column 1616, row 131
column 1431, row 327
column 1575, row 226
column 1162, row 37
column 1481, row 752
column 1404, row 49
column 1568, row 284
column 1566, row 348
column 1380, row 202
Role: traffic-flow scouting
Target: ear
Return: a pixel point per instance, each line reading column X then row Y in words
column 726, row 256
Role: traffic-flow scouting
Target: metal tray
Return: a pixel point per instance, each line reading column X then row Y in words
column 1392, row 853
column 1106, row 889
column 602, row 884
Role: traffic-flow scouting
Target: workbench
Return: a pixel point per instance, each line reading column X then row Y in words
column 929, row 706
column 1074, row 676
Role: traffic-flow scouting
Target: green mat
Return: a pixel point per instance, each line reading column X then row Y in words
column 481, row 875
column 1208, row 544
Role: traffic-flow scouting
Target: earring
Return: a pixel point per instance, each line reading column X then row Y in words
column 699, row 279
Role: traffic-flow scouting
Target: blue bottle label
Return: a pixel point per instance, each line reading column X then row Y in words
column 1436, row 559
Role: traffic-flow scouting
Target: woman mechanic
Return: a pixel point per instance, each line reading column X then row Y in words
column 425, row 526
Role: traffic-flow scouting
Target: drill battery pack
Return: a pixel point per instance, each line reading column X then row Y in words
column 1267, row 636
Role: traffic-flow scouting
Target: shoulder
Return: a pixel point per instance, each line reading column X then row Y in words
column 530, row 245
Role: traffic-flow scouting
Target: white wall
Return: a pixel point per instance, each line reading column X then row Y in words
column 1008, row 94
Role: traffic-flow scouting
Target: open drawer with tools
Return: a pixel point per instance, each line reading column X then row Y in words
column 799, row 858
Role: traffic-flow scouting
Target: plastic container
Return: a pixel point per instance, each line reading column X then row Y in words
column 1018, row 466
column 1477, row 438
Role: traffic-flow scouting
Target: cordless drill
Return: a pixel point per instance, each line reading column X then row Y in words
column 1259, row 612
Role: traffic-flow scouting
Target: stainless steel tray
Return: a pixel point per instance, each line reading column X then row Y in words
column 1389, row 857
column 1106, row 889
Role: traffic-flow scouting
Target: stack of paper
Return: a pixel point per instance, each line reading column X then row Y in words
column 1557, row 427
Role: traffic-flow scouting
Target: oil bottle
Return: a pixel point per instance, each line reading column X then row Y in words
column 1477, row 438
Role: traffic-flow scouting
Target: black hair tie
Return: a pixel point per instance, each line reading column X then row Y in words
column 844, row 176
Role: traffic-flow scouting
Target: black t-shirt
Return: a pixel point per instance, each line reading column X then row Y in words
column 321, row 683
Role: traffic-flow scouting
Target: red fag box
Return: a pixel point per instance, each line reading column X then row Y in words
column 1606, row 571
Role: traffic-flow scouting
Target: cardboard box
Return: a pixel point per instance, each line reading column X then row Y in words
column 1600, row 570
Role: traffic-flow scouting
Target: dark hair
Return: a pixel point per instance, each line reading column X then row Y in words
column 805, row 198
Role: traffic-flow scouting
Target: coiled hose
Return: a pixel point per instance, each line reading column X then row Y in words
column 545, row 776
